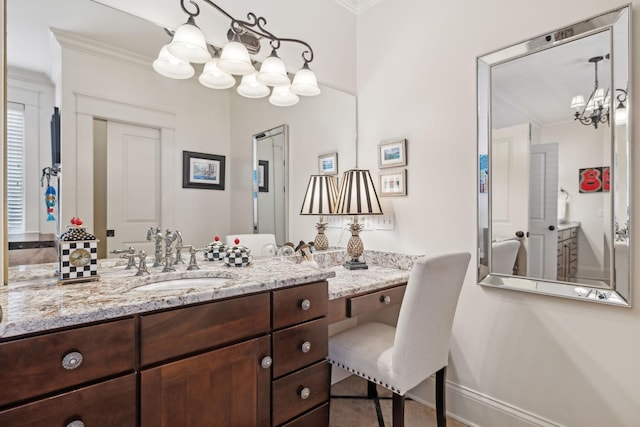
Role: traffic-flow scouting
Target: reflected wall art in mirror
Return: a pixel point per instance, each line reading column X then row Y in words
column 554, row 163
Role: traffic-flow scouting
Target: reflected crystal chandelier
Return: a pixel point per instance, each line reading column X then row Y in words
column 188, row 45
column 596, row 109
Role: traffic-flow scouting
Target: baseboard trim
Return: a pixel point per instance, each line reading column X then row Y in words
column 465, row 404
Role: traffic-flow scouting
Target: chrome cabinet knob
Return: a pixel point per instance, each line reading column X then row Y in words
column 266, row 362
column 305, row 393
column 305, row 304
column 385, row 299
column 306, row 347
column 72, row 360
column 75, row 423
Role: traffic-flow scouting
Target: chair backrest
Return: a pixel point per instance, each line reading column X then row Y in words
column 503, row 256
column 255, row 242
column 423, row 331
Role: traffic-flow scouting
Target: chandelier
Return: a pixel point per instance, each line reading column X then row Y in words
column 188, row 45
column 596, row 109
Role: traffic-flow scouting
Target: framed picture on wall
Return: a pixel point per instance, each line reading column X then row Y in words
column 263, row 176
column 393, row 183
column 201, row 170
column 328, row 164
column 392, row 154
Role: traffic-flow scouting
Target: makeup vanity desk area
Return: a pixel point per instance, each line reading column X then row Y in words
column 104, row 353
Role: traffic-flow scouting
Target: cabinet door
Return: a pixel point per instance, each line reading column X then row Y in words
column 225, row 387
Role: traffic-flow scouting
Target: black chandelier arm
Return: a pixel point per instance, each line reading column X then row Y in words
column 184, row 8
column 621, row 97
column 256, row 25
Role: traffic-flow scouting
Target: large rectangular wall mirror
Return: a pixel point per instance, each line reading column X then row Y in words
column 554, row 163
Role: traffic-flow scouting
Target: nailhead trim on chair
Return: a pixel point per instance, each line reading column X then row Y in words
column 366, row 377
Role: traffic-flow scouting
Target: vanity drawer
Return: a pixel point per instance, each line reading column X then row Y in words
column 299, row 346
column 299, row 304
column 34, row 366
column 187, row 330
column 299, row 392
column 111, row 403
column 317, row 417
column 375, row 301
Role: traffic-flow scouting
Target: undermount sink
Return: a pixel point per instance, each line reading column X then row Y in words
column 195, row 283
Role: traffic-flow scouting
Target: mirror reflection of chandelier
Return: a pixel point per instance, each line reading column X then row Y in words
column 596, row 109
column 188, row 45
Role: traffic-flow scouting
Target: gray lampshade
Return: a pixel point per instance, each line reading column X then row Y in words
column 321, row 195
column 357, row 194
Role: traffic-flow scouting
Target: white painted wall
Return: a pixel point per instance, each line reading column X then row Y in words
column 516, row 359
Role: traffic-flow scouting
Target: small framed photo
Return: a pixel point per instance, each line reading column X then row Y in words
column 201, row 170
column 328, row 164
column 263, row 176
column 392, row 154
column 393, row 183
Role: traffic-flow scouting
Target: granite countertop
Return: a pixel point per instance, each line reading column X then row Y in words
column 34, row 302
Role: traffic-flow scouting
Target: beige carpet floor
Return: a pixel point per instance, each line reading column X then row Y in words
column 362, row 412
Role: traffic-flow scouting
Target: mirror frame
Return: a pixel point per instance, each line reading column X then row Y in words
column 613, row 295
column 282, row 129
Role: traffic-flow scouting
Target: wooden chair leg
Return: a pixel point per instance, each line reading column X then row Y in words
column 398, row 410
column 441, row 412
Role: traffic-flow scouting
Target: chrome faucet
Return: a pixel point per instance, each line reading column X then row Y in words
column 142, row 265
column 131, row 262
column 169, row 238
column 179, row 247
column 156, row 234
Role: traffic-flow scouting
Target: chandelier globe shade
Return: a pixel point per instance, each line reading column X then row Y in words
column 305, row 82
column 235, row 59
column 273, row 71
column 172, row 67
column 281, row 96
column 249, row 87
column 189, row 44
column 214, row 78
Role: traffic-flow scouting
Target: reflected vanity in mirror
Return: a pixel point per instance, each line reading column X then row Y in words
column 554, row 196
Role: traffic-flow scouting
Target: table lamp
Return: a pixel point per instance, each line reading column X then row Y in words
column 320, row 199
column 357, row 197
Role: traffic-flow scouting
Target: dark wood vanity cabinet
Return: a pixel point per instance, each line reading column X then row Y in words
column 254, row 360
column 57, row 378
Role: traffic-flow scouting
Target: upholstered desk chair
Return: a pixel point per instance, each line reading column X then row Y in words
column 402, row 357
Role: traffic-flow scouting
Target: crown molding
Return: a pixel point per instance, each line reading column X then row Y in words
column 104, row 50
column 357, row 6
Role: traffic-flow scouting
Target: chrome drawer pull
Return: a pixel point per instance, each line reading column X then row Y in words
column 75, row 423
column 266, row 362
column 386, row 299
column 306, row 347
column 305, row 304
column 72, row 360
column 305, row 393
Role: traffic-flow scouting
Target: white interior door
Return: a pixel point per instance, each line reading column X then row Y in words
column 542, row 239
column 133, row 185
column 509, row 181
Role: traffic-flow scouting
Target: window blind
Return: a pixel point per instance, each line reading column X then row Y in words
column 15, row 168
